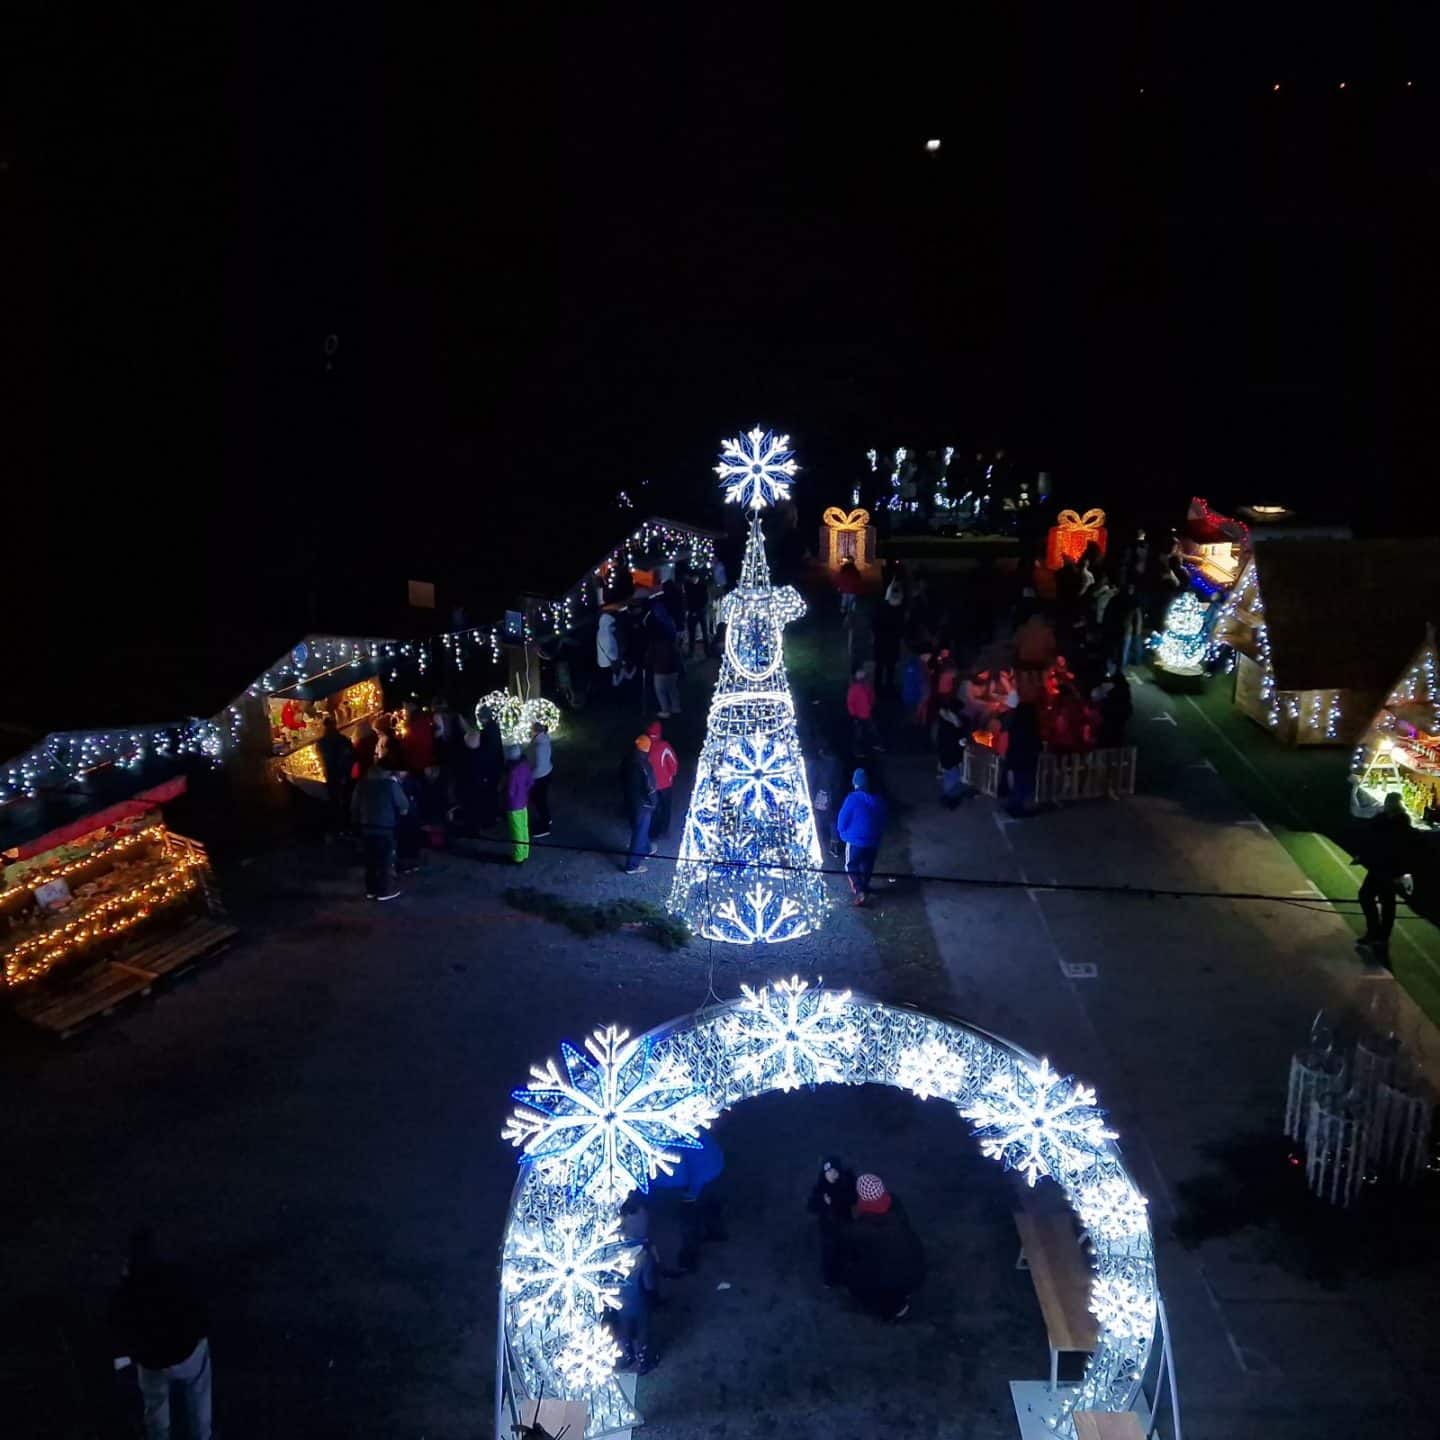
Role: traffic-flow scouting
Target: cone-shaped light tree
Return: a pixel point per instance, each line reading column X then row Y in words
column 750, row 864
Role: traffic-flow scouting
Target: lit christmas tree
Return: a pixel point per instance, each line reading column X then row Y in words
column 750, row 865
column 1183, row 643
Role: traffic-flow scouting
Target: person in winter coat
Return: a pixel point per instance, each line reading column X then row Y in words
column 693, row 1179
column 1113, row 696
column 883, row 1260
column 519, row 779
column 337, row 760
column 888, row 624
column 666, row 765
column 1022, row 755
column 639, row 1291
column 860, row 707
column 860, row 825
column 641, row 796
column 541, row 767
column 477, row 779
column 849, row 583
column 607, row 648
column 697, row 612
column 825, row 795
column 662, row 658
column 1386, row 850
column 832, row 1199
column 159, row 1320
column 950, row 754
column 376, row 807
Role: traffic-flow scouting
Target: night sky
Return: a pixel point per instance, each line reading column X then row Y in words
column 564, row 249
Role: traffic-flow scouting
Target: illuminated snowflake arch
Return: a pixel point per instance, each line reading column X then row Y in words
column 596, row 1125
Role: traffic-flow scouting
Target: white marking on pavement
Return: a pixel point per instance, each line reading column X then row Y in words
column 1202, row 765
column 1164, row 715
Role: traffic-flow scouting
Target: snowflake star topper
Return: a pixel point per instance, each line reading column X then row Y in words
column 1038, row 1122
column 930, row 1068
column 756, row 468
column 611, row 1122
column 568, row 1271
column 788, row 1035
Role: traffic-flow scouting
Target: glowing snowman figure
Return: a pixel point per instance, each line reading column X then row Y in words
column 750, row 865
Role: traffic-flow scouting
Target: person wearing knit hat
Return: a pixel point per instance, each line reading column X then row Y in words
column 883, row 1262
column 860, row 824
column 637, row 779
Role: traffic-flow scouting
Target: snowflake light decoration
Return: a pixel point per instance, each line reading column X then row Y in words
column 756, row 468
column 1111, row 1208
column 787, row 1035
column 567, row 1271
column 757, row 772
column 609, row 1123
column 588, row 1358
column 758, row 917
column 1038, row 1122
column 930, row 1068
column 1123, row 1307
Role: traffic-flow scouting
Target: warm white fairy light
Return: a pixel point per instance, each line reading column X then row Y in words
column 745, row 1048
column 1036, row 1121
column 516, row 717
column 610, row 1123
column 749, row 870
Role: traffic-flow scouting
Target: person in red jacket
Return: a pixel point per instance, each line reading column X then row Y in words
column 860, row 706
column 666, row 765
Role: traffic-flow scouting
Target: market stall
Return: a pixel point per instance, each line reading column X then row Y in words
column 1400, row 752
column 1319, row 629
column 297, row 717
column 99, row 908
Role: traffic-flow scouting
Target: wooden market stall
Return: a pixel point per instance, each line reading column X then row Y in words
column 1321, row 628
column 1399, row 753
column 100, row 907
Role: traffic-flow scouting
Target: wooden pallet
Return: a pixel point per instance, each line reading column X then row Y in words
column 102, row 989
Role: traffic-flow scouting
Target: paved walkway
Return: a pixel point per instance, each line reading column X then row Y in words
column 315, row 1121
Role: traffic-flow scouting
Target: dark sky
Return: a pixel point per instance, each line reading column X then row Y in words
column 565, row 249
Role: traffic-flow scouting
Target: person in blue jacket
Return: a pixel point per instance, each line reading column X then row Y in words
column 860, row 825
column 693, row 1178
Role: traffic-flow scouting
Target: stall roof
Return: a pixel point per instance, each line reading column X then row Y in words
column 1346, row 614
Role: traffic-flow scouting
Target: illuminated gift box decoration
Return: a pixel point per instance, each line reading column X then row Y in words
column 1071, row 534
column 847, row 537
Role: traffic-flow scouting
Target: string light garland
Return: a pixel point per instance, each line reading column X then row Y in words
column 34, row 879
column 750, row 861
column 561, row 1260
column 54, row 945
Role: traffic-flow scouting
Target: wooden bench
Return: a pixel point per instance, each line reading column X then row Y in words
column 1108, row 1425
column 1050, row 1250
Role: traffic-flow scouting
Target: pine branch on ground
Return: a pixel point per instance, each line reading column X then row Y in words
column 602, row 918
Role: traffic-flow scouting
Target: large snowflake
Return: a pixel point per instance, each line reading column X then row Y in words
column 756, row 468
column 588, row 1358
column 787, row 1035
column 760, row 916
column 757, row 771
column 568, row 1271
column 1123, row 1306
column 930, row 1068
column 1111, row 1208
column 610, row 1122
column 1036, row 1121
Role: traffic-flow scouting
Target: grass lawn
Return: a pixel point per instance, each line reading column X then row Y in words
column 1301, row 795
